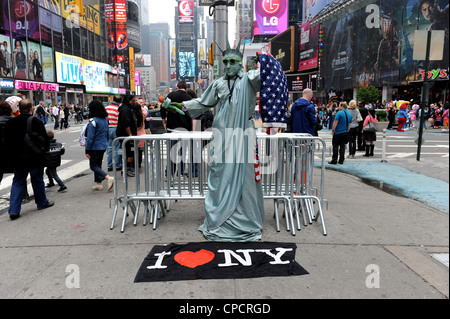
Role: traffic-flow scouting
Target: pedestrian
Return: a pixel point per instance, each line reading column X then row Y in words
column 177, row 122
column 53, row 161
column 16, row 129
column 339, row 131
column 360, row 138
column 402, row 117
column 5, row 116
column 97, row 143
column 354, row 128
column 445, row 117
column 370, row 136
column 303, row 114
column 55, row 115
column 141, row 113
column 392, row 113
column 14, row 101
column 413, row 116
column 113, row 117
column 127, row 126
column 40, row 112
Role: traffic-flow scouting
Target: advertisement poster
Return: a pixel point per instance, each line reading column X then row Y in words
column 382, row 54
column 186, row 11
column 6, row 69
column 4, row 16
column 57, row 30
column 173, row 53
column 19, row 9
column 45, row 18
column 20, row 58
column 309, row 46
column 142, row 60
column 51, row 5
column 35, row 62
column 201, row 51
column 69, row 69
column 186, row 65
column 47, row 63
column 95, row 77
column 271, row 17
column 121, row 24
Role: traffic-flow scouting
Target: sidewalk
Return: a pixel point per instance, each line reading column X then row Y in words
column 367, row 228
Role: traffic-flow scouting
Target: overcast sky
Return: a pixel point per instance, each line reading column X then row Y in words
column 164, row 11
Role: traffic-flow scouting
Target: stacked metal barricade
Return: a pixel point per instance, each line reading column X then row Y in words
column 286, row 160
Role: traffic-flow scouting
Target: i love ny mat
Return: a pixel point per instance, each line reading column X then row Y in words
column 216, row 260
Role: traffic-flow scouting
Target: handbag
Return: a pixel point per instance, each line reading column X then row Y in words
column 370, row 127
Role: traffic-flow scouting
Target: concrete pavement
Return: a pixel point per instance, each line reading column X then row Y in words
column 369, row 229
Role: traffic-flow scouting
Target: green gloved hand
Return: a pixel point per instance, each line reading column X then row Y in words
column 174, row 107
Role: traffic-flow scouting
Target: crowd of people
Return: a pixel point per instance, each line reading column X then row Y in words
column 350, row 124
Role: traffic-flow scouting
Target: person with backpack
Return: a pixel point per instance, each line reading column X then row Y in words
column 27, row 158
column 97, row 143
column 53, row 161
column 5, row 116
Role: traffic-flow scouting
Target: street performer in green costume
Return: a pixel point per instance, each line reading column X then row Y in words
column 234, row 204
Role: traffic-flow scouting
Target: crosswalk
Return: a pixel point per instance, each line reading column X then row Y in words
column 397, row 146
column 70, row 169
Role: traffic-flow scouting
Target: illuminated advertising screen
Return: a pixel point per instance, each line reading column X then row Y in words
column 186, row 11
column 309, row 46
column 270, row 17
column 186, row 65
column 96, row 78
column 69, row 69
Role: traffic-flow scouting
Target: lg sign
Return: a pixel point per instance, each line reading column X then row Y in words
column 271, row 7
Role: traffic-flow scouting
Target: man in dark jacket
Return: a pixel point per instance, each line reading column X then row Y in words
column 127, row 126
column 304, row 114
column 22, row 164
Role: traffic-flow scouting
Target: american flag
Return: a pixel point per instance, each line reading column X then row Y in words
column 274, row 92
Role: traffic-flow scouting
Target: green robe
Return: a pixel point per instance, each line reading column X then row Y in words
column 234, row 204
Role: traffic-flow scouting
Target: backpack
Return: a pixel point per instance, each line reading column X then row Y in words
column 34, row 144
column 83, row 134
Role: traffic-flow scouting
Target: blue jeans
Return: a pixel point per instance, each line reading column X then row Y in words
column 111, row 137
column 95, row 164
column 52, row 174
column 18, row 189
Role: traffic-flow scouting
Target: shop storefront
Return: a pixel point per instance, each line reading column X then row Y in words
column 36, row 91
column 6, row 88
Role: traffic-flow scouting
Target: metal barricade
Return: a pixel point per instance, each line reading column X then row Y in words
column 287, row 175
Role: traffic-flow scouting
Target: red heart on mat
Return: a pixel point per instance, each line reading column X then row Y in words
column 193, row 260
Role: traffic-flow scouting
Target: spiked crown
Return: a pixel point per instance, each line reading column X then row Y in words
column 236, row 50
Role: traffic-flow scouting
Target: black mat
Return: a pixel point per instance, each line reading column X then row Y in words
column 214, row 260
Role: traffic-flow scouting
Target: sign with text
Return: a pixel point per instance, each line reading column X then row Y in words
column 217, row 260
column 270, row 17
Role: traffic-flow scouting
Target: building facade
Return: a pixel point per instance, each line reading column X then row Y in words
column 55, row 54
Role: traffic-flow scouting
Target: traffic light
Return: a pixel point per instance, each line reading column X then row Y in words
column 73, row 7
column 321, row 39
column 211, row 54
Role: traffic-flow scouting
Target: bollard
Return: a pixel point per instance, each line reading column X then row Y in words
column 383, row 158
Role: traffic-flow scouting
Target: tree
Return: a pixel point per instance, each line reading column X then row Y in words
column 368, row 94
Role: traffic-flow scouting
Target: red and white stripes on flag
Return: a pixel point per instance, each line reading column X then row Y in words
column 257, row 171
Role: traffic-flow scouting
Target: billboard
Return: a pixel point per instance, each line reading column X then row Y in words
column 142, row 60
column 373, row 45
column 95, row 77
column 312, row 7
column 186, row 65
column 186, row 11
column 282, row 47
column 69, row 69
column 270, row 17
column 309, row 46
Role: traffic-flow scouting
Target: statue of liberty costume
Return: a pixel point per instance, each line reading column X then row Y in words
column 234, row 204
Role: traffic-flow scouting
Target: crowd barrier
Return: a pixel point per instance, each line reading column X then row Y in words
column 286, row 165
